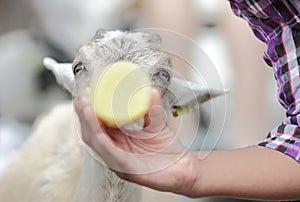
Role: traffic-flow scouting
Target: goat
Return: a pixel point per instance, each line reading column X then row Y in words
column 53, row 166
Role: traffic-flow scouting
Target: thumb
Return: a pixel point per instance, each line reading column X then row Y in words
column 155, row 118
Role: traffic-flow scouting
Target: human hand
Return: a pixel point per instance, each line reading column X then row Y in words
column 151, row 157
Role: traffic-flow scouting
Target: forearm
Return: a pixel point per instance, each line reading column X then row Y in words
column 253, row 172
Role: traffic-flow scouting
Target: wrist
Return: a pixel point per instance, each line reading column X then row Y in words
column 189, row 182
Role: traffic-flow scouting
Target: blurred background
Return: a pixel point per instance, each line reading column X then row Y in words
column 33, row 29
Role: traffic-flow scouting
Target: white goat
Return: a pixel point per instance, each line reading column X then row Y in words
column 53, row 166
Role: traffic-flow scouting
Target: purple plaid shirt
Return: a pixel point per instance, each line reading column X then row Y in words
column 277, row 23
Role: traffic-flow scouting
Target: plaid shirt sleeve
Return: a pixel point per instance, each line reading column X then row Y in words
column 277, row 23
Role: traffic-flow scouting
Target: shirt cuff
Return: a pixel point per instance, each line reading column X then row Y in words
column 286, row 139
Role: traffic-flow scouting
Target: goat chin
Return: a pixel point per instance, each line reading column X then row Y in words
column 53, row 166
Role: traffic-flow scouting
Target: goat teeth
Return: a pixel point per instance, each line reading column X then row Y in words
column 121, row 93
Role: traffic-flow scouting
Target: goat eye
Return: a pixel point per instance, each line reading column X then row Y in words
column 78, row 67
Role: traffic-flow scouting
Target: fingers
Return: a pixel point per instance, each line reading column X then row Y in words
column 155, row 118
column 88, row 120
column 94, row 134
column 155, row 102
column 110, row 144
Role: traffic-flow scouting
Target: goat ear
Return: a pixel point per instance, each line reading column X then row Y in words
column 63, row 73
column 184, row 96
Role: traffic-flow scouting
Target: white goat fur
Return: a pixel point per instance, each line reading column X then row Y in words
column 50, row 167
